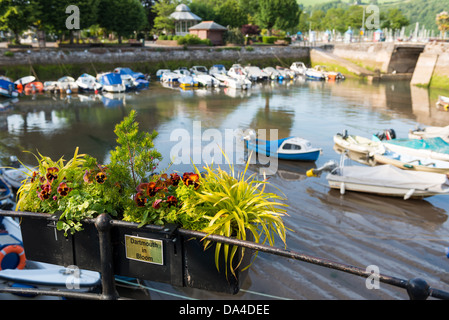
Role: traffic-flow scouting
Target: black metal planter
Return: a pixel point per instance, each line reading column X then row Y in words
column 155, row 253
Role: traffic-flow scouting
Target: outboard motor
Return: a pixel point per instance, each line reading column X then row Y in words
column 388, row 134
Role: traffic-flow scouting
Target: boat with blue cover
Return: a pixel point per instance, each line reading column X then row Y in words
column 435, row 148
column 111, row 82
column 8, row 88
column 139, row 79
column 290, row 148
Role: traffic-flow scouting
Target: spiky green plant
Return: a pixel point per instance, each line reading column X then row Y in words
column 232, row 205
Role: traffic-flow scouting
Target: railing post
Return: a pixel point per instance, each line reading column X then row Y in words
column 103, row 225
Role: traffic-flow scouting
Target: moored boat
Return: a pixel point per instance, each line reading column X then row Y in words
column 443, row 102
column 430, row 132
column 111, row 82
column 8, row 88
column 435, row 148
column 384, row 180
column 408, row 162
column 358, row 144
column 290, row 148
column 87, row 82
column 299, row 68
column 33, row 87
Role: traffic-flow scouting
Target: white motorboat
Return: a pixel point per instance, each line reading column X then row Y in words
column 206, row 80
column 286, row 72
column 235, row 83
column 430, row 132
column 385, row 180
column 299, row 68
column 254, row 73
column 443, row 102
column 314, row 74
column 160, row 72
column 273, row 73
column 87, row 82
column 67, row 85
column 236, row 71
column 358, row 144
column 197, row 70
column 408, row 162
column 217, row 69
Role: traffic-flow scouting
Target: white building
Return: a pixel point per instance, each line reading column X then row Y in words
column 184, row 19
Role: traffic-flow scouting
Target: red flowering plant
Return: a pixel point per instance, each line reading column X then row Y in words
column 157, row 201
column 82, row 188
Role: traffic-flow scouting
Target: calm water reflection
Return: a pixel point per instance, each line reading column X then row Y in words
column 405, row 239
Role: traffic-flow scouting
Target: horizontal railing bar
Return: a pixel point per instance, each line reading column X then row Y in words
column 394, row 281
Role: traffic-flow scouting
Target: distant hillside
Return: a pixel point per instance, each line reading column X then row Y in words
column 422, row 11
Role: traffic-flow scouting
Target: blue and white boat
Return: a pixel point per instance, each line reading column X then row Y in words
column 291, row 148
column 8, row 88
column 138, row 78
column 187, row 81
column 434, row 148
column 111, row 82
column 87, row 82
column 314, row 74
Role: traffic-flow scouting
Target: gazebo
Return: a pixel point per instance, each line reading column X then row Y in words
column 184, row 19
column 209, row 30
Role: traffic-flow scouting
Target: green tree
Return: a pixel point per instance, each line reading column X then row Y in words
column 163, row 9
column 282, row 14
column 317, row 20
column 123, row 17
column 230, row 14
column 334, row 20
column 394, row 19
column 353, row 17
column 14, row 16
column 206, row 9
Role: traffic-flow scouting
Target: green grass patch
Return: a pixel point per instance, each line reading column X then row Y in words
column 441, row 82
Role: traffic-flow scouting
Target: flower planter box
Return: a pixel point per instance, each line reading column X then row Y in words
column 149, row 253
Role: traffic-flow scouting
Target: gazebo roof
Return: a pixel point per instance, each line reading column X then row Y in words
column 208, row 25
column 183, row 12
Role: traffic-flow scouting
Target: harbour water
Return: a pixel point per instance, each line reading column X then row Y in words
column 404, row 239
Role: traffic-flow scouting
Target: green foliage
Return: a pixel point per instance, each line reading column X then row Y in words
column 192, row 39
column 269, row 39
column 280, row 14
column 234, row 36
column 231, row 204
column 122, row 16
column 394, row 19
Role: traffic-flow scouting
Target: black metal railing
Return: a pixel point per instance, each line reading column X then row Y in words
column 417, row 289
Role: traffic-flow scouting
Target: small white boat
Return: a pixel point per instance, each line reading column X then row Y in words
column 286, row 73
column 25, row 80
column 236, row 71
column 358, row 144
column 385, row 180
column 206, row 80
column 273, row 73
column 235, row 83
column 254, row 73
column 434, row 148
column 299, row 68
column 67, row 85
column 443, row 102
column 430, row 132
column 217, row 69
column 408, row 162
column 197, row 70
column 87, row 82
column 170, row 77
column 329, row 75
column 160, row 72
column 187, row 81
column 314, row 74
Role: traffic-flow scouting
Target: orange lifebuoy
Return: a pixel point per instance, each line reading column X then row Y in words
column 14, row 249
